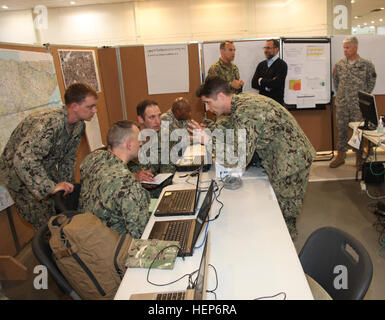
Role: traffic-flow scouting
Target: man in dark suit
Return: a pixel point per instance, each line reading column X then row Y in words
column 269, row 77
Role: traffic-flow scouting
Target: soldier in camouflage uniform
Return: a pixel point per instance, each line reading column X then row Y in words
column 228, row 71
column 179, row 115
column 350, row 75
column 39, row 158
column 225, row 69
column 272, row 132
column 149, row 118
column 109, row 190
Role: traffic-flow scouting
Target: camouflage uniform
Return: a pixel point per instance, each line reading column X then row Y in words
column 227, row 72
column 40, row 153
column 158, row 167
column 174, row 123
column 111, row 192
column 348, row 80
column 285, row 151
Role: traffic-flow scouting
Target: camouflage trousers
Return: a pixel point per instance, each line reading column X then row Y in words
column 36, row 212
column 290, row 192
column 344, row 115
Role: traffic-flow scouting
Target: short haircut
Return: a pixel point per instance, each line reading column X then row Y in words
column 77, row 92
column 222, row 46
column 142, row 106
column 212, row 86
column 119, row 132
column 352, row 40
column 179, row 103
column 275, row 43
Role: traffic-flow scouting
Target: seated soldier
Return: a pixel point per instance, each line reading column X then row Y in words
column 109, row 190
column 148, row 113
column 178, row 115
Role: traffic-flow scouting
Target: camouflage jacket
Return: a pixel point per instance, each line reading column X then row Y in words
column 273, row 133
column 349, row 78
column 155, row 158
column 227, row 72
column 174, row 123
column 111, row 192
column 42, row 152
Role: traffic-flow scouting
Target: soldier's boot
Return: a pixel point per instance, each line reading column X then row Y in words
column 339, row 160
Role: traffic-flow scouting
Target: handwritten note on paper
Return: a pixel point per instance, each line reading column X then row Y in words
column 167, row 68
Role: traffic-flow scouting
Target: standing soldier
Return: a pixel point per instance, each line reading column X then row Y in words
column 225, row 69
column 271, row 132
column 350, row 75
column 39, row 158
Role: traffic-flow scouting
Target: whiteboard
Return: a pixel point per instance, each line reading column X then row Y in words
column 248, row 53
column 371, row 47
column 308, row 81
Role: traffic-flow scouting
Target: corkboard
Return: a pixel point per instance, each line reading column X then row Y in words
column 135, row 82
column 109, row 73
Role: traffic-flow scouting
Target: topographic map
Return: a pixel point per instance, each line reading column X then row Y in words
column 79, row 66
column 28, row 83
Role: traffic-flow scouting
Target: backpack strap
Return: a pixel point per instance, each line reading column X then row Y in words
column 59, row 243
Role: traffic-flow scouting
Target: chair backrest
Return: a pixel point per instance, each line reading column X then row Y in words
column 69, row 202
column 43, row 253
column 338, row 262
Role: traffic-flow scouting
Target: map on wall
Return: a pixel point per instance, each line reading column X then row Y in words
column 79, row 66
column 28, row 83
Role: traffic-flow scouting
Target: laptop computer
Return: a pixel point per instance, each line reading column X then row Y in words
column 197, row 292
column 193, row 158
column 184, row 231
column 179, row 202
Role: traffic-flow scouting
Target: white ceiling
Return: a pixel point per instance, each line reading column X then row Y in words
column 29, row 4
column 364, row 11
column 360, row 8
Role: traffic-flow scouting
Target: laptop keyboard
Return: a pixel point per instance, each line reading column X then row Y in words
column 171, row 296
column 178, row 231
column 178, row 202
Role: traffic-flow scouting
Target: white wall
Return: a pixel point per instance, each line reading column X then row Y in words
column 294, row 18
column 96, row 25
column 17, row 27
column 169, row 21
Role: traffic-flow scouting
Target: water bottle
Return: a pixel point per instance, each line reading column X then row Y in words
column 380, row 128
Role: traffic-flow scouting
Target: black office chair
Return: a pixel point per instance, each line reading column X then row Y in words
column 327, row 248
column 43, row 253
column 69, row 202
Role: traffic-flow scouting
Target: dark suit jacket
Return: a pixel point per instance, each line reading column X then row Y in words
column 273, row 78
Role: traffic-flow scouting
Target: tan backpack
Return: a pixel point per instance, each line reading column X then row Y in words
column 90, row 255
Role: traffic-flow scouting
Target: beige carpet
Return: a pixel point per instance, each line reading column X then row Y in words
column 320, row 170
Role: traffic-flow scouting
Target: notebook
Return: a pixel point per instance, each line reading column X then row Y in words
column 178, row 202
column 184, row 231
column 196, row 293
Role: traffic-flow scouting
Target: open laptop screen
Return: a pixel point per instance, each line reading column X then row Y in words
column 200, row 281
column 203, row 212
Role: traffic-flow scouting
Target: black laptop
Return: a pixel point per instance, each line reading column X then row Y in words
column 184, row 231
column 179, row 202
